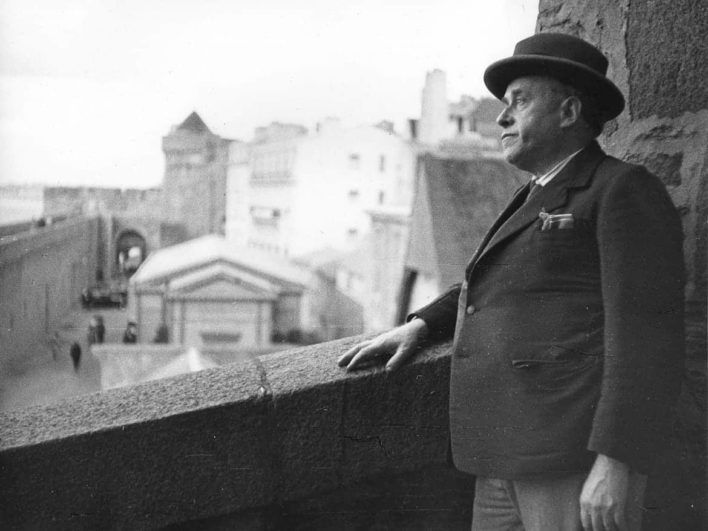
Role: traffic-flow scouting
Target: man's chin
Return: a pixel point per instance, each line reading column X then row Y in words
column 510, row 155
column 515, row 159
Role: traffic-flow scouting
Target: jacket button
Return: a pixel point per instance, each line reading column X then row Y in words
column 470, row 309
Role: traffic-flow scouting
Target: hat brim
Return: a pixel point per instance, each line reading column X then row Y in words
column 499, row 74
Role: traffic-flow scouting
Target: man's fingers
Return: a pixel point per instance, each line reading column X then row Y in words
column 345, row 358
column 585, row 518
column 400, row 357
column 364, row 355
column 596, row 517
column 616, row 520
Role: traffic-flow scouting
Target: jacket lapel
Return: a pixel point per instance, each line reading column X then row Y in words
column 513, row 205
column 577, row 174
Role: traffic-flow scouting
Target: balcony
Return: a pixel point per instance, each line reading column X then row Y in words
column 281, row 441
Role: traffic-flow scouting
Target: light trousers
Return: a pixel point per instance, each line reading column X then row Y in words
column 549, row 504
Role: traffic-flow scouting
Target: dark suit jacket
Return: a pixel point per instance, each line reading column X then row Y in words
column 568, row 342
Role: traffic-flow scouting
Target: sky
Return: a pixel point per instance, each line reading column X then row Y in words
column 88, row 88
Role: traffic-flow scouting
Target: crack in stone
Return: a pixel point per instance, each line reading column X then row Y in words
column 264, row 388
column 371, row 438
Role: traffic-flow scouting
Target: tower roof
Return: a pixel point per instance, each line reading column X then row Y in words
column 194, row 124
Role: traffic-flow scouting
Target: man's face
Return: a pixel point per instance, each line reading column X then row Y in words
column 531, row 134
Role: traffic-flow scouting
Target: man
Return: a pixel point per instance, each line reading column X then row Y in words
column 568, row 324
column 130, row 335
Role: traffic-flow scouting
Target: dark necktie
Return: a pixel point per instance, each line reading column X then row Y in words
column 535, row 188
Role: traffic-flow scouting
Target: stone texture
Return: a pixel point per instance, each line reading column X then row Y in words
column 666, row 56
column 659, row 59
column 237, row 446
column 666, row 167
column 139, row 457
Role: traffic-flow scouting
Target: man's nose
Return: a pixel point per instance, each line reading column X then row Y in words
column 504, row 119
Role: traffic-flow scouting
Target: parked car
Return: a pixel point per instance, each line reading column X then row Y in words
column 113, row 293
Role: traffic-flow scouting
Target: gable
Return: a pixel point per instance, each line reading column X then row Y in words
column 222, row 288
column 456, row 203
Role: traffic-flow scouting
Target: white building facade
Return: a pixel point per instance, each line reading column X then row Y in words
column 292, row 193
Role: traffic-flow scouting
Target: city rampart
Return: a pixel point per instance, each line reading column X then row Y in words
column 282, row 440
column 290, row 441
column 42, row 272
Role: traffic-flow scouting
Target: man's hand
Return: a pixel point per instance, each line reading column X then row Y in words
column 603, row 499
column 401, row 342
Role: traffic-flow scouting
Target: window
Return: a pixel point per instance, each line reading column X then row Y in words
column 382, row 197
column 382, row 163
column 353, row 194
column 354, row 161
column 265, row 215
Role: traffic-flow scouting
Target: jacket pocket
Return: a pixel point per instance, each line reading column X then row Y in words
column 554, row 368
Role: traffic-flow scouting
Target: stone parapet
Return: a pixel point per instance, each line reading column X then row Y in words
column 231, row 442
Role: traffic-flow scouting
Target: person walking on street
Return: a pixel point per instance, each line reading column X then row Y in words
column 75, row 353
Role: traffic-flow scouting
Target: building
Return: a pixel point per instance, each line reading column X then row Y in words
column 462, row 127
column 208, row 291
column 462, row 130
column 457, row 200
column 291, row 193
column 388, row 243
column 194, row 185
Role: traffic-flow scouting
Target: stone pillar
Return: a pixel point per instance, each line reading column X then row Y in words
column 659, row 59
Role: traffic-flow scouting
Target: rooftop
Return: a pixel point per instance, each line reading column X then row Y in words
column 194, row 124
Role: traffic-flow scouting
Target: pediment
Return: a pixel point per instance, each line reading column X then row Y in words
column 222, row 288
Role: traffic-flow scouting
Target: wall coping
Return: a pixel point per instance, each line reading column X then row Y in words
column 277, row 427
column 14, row 246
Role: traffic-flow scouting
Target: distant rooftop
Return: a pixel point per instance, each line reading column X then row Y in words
column 194, row 124
column 464, row 196
column 180, row 258
column 487, row 110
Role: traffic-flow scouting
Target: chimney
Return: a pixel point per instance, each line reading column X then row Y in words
column 434, row 111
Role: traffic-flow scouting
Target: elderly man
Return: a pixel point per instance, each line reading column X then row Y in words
column 568, row 322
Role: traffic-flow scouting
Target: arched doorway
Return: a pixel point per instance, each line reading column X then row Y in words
column 131, row 250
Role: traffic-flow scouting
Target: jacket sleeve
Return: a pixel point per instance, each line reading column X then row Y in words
column 440, row 314
column 641, row 259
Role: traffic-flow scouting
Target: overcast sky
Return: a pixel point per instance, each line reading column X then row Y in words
column 89, row 87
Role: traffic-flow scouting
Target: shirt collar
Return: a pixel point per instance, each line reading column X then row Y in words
column 544, row 179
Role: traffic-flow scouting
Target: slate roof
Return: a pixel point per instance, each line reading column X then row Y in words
column 201, row 252
column 487, row 110
column 193, row 123
column 464, row 198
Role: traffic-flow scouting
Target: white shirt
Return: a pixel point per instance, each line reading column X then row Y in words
column 544, row 179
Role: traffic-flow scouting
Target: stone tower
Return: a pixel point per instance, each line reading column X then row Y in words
column 194, row 185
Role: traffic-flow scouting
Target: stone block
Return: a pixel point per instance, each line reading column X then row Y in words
column 139, row 457
column 396, row 421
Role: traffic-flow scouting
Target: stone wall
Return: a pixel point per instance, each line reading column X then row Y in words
column 84, row 199
column 281, row 441
column 42, row 272
column 659, row 59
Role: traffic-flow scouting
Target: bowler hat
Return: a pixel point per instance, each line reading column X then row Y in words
column 569, row 59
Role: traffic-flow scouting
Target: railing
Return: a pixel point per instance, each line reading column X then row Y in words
column 246, row 446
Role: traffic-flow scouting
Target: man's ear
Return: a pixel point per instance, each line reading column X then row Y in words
column 570, row 109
